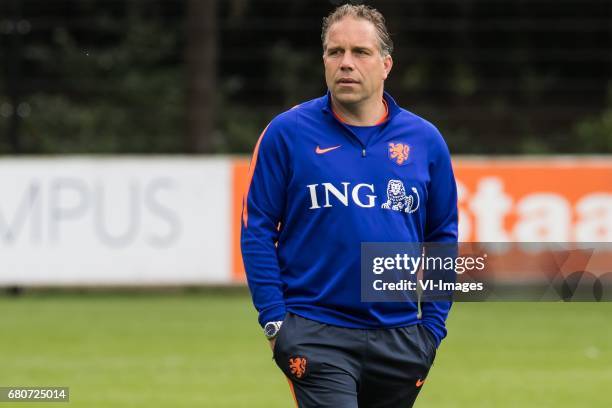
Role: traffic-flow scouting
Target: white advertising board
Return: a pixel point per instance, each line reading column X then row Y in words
column 114, row 221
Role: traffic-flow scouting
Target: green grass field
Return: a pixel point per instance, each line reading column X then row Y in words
column 206, row 350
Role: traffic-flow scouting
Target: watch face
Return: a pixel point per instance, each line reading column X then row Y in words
column 270, row 329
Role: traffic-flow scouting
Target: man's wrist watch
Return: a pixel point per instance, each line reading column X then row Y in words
column 271, row 329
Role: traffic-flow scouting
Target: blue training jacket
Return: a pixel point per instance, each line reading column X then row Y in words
column 316, row 192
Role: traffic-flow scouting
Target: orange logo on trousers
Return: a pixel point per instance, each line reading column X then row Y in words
column 297, row 365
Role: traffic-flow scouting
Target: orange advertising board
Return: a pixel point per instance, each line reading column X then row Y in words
column 521, row 200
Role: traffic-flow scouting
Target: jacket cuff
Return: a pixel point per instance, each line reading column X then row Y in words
column 272, row 314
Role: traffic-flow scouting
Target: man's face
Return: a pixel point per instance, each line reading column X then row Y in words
column 355, row 70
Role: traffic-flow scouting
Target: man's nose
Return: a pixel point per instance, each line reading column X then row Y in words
column 347, row 61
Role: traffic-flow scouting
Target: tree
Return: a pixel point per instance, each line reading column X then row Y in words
column 200, row 58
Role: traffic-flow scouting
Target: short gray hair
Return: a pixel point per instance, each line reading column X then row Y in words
column 363, row 12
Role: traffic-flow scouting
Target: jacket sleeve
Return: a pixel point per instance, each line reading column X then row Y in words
column 262, row 212
column 440, row 226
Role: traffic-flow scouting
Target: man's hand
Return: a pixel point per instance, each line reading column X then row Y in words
column 272, row 343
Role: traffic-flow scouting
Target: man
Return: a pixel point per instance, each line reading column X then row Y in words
column 324, row 178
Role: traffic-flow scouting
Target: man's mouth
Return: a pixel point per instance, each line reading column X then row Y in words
column 347, row 81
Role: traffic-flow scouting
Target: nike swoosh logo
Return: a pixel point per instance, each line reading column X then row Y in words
column 318, row 150
column 419, row 382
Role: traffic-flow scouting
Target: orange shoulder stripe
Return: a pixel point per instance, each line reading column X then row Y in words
column 245, row 210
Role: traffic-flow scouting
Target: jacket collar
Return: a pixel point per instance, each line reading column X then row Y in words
column 394, row 108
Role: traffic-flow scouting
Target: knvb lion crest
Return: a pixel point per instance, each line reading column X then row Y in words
column 398, row 200
column 399, row 152
column 297, row 365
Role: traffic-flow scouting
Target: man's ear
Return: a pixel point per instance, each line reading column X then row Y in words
column 388, row 64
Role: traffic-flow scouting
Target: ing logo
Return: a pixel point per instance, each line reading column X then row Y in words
column 398, row 200
column 327, row 195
